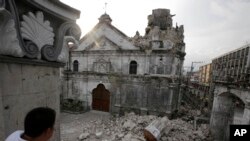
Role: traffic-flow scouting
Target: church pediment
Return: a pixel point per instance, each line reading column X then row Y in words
column 106, row 37
column 103, row 43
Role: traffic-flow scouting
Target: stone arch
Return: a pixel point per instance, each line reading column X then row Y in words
column 238, row 107
column 101, row 98
column 222, row 115
column 228, row 108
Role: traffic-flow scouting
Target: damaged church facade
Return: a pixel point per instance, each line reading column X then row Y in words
column 114, row 73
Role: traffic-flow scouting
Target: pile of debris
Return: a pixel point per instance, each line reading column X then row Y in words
column 130, row 128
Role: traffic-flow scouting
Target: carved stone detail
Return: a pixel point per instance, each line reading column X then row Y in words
column 51, row 53
column 64, row 55
column 9, row 44
column 102, row 66
column 35, row 29
column 33, row 37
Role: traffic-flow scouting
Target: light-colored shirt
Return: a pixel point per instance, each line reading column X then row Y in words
column 15, row 136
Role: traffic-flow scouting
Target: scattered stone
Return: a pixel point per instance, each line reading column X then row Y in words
column 129, row 125
column 83, row 136
column 98, row 135
column 131, row 128
column 121, row 135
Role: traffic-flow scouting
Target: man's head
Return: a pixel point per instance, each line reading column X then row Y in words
column 40, row 122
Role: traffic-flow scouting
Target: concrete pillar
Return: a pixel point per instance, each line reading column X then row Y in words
column 221, row 117
column 246, row 115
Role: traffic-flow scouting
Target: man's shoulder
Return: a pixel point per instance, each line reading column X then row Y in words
column 15, row 136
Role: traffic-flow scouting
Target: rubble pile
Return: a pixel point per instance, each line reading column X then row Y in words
column 130, row 128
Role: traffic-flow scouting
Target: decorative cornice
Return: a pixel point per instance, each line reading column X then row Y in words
column 64, row 55
column 26, row 61
column 34, row 37
column 34, row 28
column 51, row 53
column 30, row 49
column 58, row 8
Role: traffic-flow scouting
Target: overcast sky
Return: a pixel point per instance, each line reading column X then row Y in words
column 212, row 27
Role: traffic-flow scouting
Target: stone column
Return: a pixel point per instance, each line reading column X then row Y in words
column 246, row 115
column 221, row 116
column 147, row 59
column 169, row 108
column 174, row 64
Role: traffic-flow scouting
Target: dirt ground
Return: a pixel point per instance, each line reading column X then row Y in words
column 72, row 125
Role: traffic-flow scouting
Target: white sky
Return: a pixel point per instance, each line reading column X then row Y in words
column 212, row 27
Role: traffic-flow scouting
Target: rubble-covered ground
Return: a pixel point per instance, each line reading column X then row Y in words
column 98, row 126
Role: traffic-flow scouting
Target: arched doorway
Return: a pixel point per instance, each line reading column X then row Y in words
column 100, row 98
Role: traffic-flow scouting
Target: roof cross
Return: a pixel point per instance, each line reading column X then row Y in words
column 105, row 8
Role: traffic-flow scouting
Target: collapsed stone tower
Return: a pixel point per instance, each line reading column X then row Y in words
column 161, row 35
column 161, row 18
column 160, row 27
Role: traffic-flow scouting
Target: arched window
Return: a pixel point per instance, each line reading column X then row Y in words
column 133, row 67
column 75, row 66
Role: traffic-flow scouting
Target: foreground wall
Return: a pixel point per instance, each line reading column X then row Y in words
column 34, row 38
column 26, row 84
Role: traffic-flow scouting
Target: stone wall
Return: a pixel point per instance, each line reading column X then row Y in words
column 162, row 62
column 23, row 87
column 140, row 94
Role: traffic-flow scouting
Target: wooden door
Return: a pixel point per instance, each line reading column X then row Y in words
column 101, row 98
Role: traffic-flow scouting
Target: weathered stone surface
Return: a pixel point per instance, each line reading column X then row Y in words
column 37, row 85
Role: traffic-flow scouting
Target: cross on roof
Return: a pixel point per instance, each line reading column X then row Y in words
column 105, row 8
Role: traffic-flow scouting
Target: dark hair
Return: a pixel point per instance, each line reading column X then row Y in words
column 38, row 120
